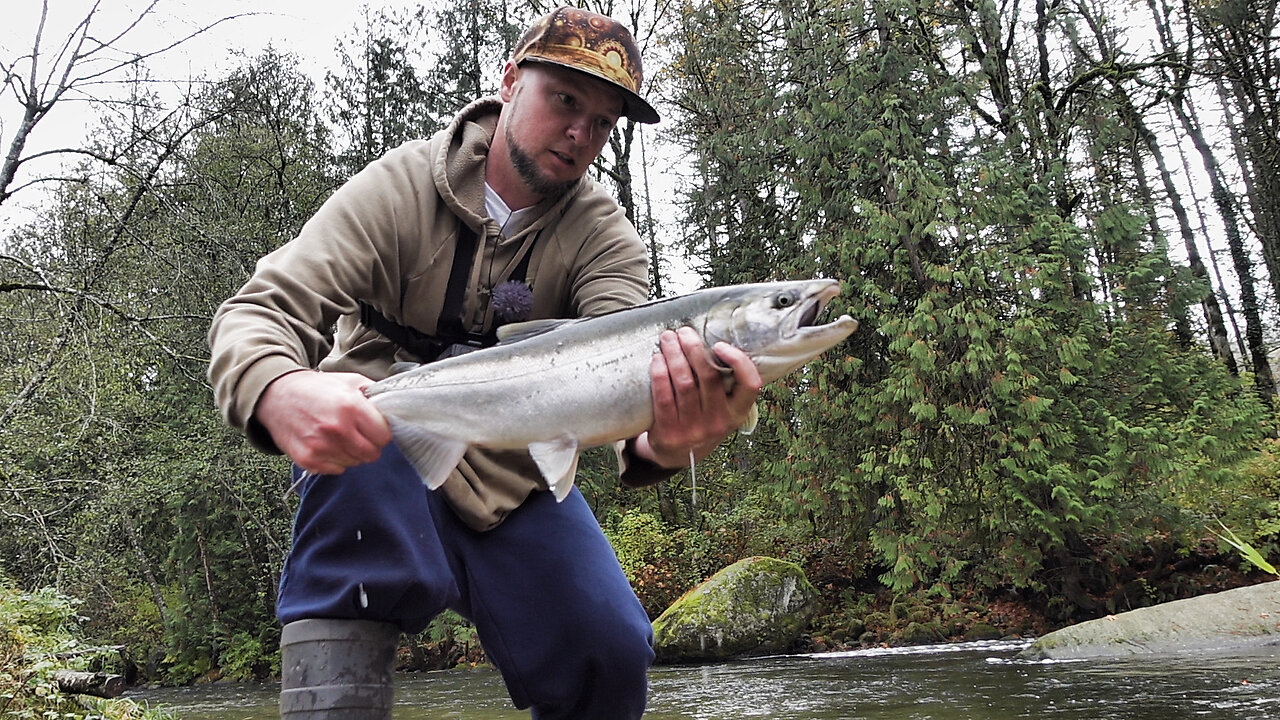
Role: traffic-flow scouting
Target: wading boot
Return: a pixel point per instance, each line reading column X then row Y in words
column 337, row 669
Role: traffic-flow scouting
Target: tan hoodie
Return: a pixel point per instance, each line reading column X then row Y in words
column 386, row 238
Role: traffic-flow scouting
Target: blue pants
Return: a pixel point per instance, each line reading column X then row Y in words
column 550, row 603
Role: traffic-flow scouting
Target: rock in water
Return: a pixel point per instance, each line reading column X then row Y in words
column 755, row 606
column 1244, row 617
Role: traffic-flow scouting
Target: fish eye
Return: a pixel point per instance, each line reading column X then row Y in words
column 783, row 300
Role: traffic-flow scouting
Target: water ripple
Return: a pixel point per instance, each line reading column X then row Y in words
column 969, row 681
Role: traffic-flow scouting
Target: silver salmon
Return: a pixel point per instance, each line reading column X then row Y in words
column 558, row 386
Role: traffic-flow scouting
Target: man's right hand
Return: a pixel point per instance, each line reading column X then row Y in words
column 323, row 421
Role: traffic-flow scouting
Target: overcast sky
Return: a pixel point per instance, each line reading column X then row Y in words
column 307, row 28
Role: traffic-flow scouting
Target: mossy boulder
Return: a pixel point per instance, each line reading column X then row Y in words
column 922, row 615
column 755, row 606
column 982, row 631
column 1239, row 618
column 921, row 633
column 877, row 621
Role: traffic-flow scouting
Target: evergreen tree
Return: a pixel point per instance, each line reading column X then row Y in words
column 379, row 97
column 481, row 35
column 1015, row 390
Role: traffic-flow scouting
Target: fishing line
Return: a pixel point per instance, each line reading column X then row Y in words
column 693, row 478
column 306, row 475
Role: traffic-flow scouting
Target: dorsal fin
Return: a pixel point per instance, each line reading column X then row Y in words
column 402, row 367
column 515, row 332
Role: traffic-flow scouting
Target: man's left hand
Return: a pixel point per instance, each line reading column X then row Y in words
column 692, row 410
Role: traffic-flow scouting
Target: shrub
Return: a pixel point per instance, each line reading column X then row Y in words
column 37, row 631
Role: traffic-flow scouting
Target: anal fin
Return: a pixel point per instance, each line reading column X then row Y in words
column 558, row 461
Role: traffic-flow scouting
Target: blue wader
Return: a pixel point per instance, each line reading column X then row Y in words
column 550, row 603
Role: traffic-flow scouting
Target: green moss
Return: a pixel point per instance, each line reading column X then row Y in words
column 920, row 614
column 982, row 631
column 921, row 633
column 878, row 621
column 757, row 605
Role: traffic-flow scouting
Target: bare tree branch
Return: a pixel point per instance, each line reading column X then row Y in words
column 79, row 65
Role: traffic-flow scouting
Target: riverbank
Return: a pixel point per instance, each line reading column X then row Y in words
column 38, row 642
column 854, row 614
column 851, row 618
column 878, row 618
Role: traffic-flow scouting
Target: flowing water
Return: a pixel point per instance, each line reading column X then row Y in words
column 969, row 681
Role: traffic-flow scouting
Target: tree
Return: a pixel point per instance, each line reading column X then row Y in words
column 1219, row 340
column 81, row 67
column 482, row 34
column 1243, row 39
column 725, row 92
column 1015, row 391
column 379, row 98
column 1225, row 201
column 129, row 490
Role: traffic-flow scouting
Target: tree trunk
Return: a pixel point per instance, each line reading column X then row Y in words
column 1219, row 340
column 1212, row 254
column 144, row 566
column 650, row 236
column 1224, row 201
column 1258, row 173
column 1241, row 42
column 1181, row 321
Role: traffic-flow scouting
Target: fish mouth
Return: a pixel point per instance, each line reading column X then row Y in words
column 811, row 310
column 806, row 316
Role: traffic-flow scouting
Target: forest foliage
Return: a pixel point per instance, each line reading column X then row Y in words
column 1058, row 223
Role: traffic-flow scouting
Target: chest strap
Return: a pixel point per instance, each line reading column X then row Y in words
column 450, row 330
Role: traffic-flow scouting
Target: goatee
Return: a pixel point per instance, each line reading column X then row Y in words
column 528, row 172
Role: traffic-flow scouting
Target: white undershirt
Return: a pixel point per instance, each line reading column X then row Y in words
column 498, row 210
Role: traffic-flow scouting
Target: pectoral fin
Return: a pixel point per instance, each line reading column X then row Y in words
column 558, row 461
column 433, row 456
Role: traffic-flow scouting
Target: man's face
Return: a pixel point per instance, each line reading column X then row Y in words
column 558, row 122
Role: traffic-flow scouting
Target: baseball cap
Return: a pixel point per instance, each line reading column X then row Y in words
column 591, row 43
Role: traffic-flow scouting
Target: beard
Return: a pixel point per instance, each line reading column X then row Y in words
column 539, row 183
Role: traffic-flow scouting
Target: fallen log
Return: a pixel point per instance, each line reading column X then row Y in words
column 97, row 684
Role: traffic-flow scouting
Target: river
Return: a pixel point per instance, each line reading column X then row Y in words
column 967, row 681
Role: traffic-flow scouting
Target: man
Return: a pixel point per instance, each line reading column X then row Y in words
column 411, row 259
